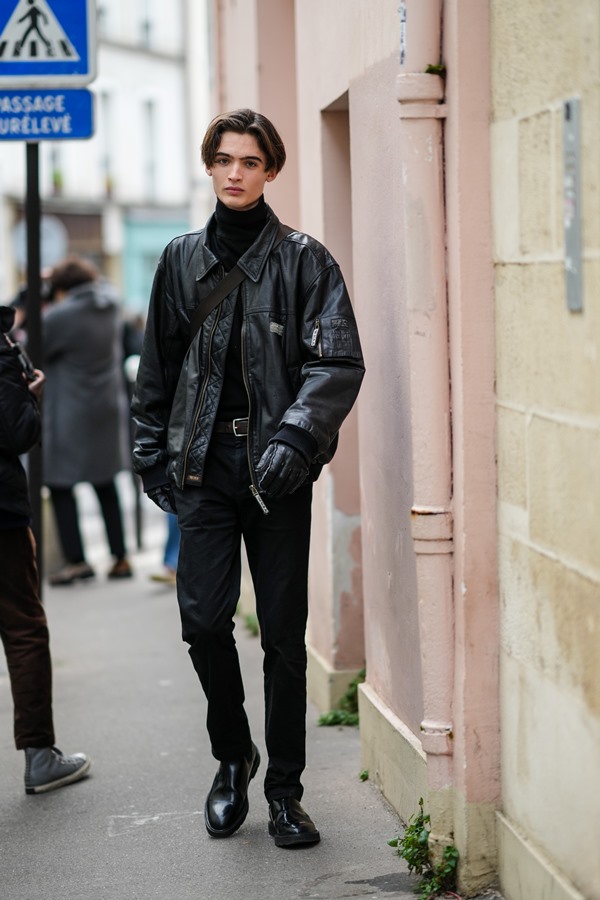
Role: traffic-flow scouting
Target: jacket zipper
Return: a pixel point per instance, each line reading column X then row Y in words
column 315, row 340
column 253, row 486
column 201, row 399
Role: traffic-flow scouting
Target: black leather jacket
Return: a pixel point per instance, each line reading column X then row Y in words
column 20, row 430
column 301, row 354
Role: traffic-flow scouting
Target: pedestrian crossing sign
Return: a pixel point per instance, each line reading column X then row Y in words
column 47, row 43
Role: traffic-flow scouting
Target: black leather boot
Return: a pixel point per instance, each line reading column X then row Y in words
column 291, row 825
column 226, row 806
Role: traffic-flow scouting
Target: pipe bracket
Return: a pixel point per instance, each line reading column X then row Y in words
column 436, row 737
column 420, row 96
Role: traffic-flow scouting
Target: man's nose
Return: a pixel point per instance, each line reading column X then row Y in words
column 235, row 171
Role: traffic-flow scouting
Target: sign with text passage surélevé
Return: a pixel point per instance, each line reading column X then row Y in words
column 51, row 115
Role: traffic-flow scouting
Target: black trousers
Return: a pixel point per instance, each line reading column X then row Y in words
column 213, row 519
column 66, row 516
column 24, row 633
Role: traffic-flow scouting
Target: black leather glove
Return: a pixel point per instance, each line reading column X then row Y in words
column 163, row 497
column 281, row 470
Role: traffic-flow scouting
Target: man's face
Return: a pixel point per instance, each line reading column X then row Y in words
column 238, row 173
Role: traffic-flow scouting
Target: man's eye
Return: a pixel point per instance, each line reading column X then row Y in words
column 251, row 164
column 222, row 161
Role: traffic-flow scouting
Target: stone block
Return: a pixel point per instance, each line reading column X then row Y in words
column 537, row 188
column 540, row 50
column 550, row 620
column 550, row 776
column 546, row 355
column 505, row 189
column 564, row 489
column 525, row 872
column 512, row 469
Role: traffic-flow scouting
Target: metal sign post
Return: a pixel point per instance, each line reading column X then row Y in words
column 45, row 45
column 34, row 333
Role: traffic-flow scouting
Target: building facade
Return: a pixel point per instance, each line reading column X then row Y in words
column 446, row 153
column 121, row 195
column 546, row 202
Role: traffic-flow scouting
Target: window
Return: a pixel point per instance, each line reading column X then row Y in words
column 146, row 23
column 102, row 19
column 105, row 133
column 149, row 119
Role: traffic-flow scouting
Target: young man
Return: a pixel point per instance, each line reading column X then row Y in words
column 23, row 626
column 232, row 430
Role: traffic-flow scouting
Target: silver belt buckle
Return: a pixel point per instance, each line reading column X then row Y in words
column 234, row 424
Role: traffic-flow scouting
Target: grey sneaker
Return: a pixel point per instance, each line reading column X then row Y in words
column 47, row 768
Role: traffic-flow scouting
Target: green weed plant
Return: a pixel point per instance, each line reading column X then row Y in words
column 347, row 712
column 436, row 878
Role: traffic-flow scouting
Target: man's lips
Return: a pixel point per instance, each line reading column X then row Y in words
column 234, row 190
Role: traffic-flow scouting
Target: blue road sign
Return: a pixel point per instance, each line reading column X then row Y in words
column 51, row 115
column 47, row 43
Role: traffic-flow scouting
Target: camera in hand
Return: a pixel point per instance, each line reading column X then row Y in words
column 7, row 320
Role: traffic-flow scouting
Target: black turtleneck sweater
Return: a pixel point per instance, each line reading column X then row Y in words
column 232, row 233
column 229, row 235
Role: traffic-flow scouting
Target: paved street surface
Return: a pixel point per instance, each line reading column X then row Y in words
column 126, row 694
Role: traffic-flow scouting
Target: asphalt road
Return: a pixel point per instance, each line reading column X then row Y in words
column 126, row 694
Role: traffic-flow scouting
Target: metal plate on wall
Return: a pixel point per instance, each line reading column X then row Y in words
column 572, row 204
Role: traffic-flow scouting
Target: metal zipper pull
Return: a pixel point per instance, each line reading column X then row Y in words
column 259, row 499
column 315, row 334
column 315, row 340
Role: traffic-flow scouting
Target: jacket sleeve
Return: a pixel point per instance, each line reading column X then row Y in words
column 160, row 364
column 333, row 366
column 20, row 421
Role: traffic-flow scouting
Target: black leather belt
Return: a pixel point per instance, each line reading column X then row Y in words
column 238, row 427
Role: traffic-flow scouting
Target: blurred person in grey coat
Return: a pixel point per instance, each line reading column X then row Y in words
column 84, row 438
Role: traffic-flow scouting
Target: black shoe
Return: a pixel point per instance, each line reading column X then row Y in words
column 226, row 806
column 291, row 825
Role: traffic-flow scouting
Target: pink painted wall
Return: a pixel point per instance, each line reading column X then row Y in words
column 255, row 57
column 263, row 76
column 391, row 609
column 336, row 627
column 472, row 343
column 335, row 98
column 414, row 481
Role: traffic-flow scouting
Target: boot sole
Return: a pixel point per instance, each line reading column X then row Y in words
column 293, row 840
column 61, row 782
column 227, row 832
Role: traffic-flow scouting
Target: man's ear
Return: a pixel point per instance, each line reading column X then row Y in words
column 272, row 175
column 208, row 170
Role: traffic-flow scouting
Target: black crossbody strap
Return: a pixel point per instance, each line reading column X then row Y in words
column 223, row 288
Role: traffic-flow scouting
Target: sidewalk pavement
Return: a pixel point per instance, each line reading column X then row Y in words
column 125, row 692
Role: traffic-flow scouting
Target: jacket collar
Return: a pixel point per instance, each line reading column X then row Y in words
column 254, row 259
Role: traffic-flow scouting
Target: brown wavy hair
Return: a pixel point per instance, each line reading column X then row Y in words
column 245, row 121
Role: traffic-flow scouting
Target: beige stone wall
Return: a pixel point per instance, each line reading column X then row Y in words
column 545, row 52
